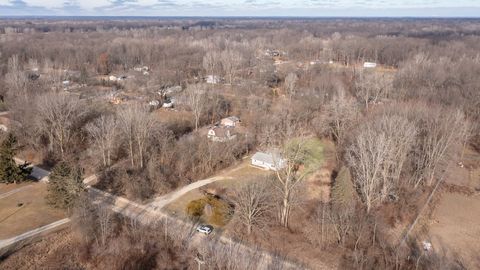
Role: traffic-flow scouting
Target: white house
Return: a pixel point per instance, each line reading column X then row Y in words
column 231, row 121
column 213, row 79
column 169, row 103
column 112, row 78
column 369, row 65
column 221, row 134
column 154, row 103
column 268, row 161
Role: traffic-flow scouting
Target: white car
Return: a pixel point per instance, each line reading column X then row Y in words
column 206, row 229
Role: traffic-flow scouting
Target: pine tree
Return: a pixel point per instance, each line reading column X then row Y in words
column 343, row 191
column 10, row 172
column 65, row 186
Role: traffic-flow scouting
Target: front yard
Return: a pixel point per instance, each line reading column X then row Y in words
column 25, row 209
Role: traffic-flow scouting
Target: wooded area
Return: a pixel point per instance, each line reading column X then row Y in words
column 89, row 96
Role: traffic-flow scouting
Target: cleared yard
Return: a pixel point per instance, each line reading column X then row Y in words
column 234, row 177
column 34, row 212
column 457, row 228
column 240, row 174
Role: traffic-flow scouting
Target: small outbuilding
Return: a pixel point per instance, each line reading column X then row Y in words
column 231, row 121
column 268, row 161
column 213, row 79
column 369, row 65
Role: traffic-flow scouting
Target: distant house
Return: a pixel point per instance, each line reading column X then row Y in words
column 154, row 103
column 269, row 161
column 141, row 69
column 213, row 79
column 221, row 134
column 231, row 121
column 112, row 78
column 369, row 65
column 169, row 103
column 4, row 123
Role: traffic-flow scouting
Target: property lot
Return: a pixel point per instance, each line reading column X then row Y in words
column 456, row 228
column 24, row 208
column 226, row 180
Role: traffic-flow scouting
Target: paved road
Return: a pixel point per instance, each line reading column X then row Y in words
column 32, row 233
column 147, row 215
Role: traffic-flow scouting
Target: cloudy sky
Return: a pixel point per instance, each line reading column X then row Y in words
column 317, row 8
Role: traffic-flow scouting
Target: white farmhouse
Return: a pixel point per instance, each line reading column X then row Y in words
column 369, row 65
column 213, row 79
column 268, row 161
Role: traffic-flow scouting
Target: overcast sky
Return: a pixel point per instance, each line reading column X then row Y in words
column 317, row 8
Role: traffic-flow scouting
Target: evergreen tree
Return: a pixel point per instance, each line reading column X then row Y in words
column 10, row 172
column 65, row 186
column 343, row 191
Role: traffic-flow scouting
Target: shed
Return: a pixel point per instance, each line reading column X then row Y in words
column 231, row 121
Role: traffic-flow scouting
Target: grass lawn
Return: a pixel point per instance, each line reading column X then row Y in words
column 15, row 220
column 4, row 188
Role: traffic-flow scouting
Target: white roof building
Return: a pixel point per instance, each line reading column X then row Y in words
column 369, row 65
column 269, row 161
column 213, row 79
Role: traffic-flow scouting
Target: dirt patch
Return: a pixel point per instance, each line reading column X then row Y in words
column 26, row 210
column 456, row 228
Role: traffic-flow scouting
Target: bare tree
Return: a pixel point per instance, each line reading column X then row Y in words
column 252, row 203
column 290, row 84
column 371, row 86
column 366, row 156
column 137, row 125
column 211, row 62
column 439, row 131
column 377, row 155
column 338, row 116
column 59, row 115
column 105, row 223
column 195, row 98
column 16, row 78
column 296, row 161
column 231, row 61
column 103, row 131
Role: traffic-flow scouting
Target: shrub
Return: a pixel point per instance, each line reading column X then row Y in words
column 195, row 208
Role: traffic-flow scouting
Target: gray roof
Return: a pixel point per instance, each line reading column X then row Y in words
column 233, row 118
column 268, row 158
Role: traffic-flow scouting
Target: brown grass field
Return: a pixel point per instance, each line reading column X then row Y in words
column 34, row 212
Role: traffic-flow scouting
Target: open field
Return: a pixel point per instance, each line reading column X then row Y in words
column 456, row 228
column 34, row 212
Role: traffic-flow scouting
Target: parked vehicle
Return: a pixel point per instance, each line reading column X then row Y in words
column 206, row 229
